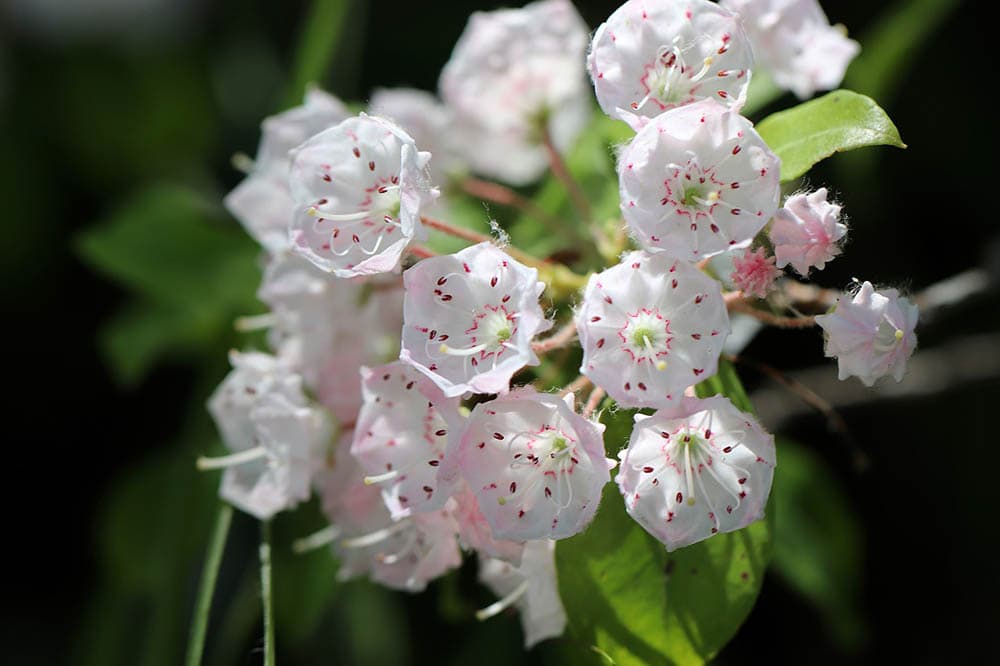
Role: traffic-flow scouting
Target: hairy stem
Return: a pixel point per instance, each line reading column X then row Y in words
column 265, row 592
column 505, row 196
column 560, row 338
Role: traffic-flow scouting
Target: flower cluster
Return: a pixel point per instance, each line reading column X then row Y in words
column 405, row 399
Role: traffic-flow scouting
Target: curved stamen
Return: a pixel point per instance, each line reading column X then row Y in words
column 239, row 458
column 502, row 605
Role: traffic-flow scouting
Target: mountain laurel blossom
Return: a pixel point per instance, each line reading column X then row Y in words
column 807, row 231
column 401, row 436
column 274, row 434
column 650, row 327
column 532, row 587
column 262, row 202
column 794, row 41
column 535, row 465
column 515, row 76
column 654, row 55
column 469, row 318
column 358, row 189
column 871, row 333
column 696, row 181
column 695, row 469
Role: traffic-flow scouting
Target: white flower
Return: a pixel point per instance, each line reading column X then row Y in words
column 807, row 231
column 696, row 181
column 401, row 437
column 871, row 334
column 262, row 202
column 532, row 587
column 536, row 467
column 475, row 533
column 514, row 74
column 469, row 318
column 654, row 55
column 358, row 190
column 430, row 123
column 404, row 554
column 327, row 328
column 795, row 42
column 276, row 437
column 696, row 469
column 650, row 327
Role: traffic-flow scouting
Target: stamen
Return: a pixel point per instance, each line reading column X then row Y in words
column 324, row 537
column 470, row 351
column 502, row 605
column 375, row 537
column 255, row 322
column 204, row 463
column 379, row 478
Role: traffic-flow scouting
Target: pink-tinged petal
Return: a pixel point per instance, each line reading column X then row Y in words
column 650, row 327
column 697, row 181
column 696, row 469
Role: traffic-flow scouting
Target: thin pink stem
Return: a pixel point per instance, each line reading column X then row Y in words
column 561, row 172
column 505, row 196
column 593, row 401
column 560, row 338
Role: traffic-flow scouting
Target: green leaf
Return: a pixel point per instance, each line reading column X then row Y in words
column 818, row 541
column 814, row 130
column 632, row 602
column 317, row 44
column 192, row 269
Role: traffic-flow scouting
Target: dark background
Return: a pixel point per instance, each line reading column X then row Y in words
column 97, row 101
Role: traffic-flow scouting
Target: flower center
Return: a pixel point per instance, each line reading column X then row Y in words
column 887, row 336
column 646, row 337
column 669, row 80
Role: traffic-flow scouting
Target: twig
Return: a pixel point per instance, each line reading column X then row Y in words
column 781, row 321
column 835, row 421
column 562, row 173
column 577, row 384
column 505, row 196
column 593, row 401
column 560, row 338
column 476, row 237
column 421, row 251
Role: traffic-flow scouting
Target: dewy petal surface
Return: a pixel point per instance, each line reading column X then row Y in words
column 650, row 327
column 697, row 181
column 696, row 469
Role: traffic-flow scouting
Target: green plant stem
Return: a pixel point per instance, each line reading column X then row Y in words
column 317, row 43
column 206, row 590
column 265, row 591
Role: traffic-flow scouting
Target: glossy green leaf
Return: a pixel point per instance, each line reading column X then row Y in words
column 818, row 541
column 631, row 602
column 814, row 130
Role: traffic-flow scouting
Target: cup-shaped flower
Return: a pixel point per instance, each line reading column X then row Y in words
column 469, row 317
column 794, row 41
column 358, row 189
column 650, row 327
column 807, row 231
column 871, row 333
column 754, row 273
column 695, row 469
column 327, row 328
column 536, row 466
column 262, row 202
column 475, row 533
column 532, row 587
column 275, row 436
column 514, row 76
column 655, row 55
column 401, row 436
column 696, row 181
column 428, row 121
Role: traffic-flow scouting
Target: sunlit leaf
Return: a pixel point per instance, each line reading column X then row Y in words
column 814, row 130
